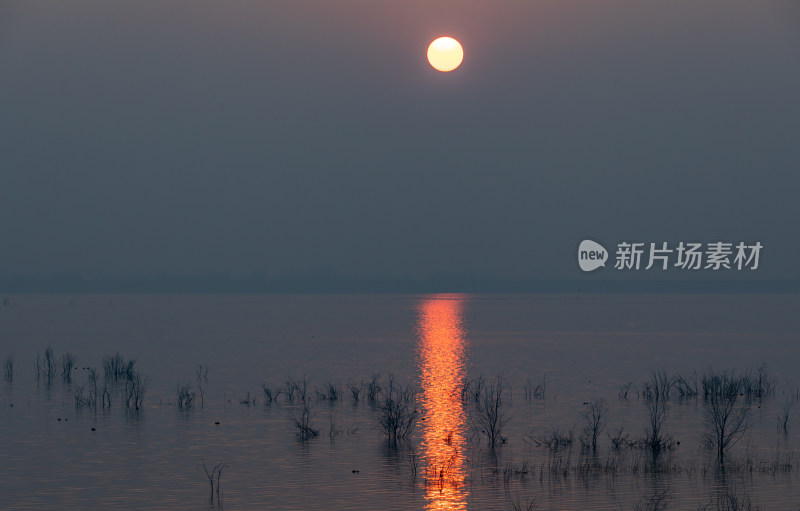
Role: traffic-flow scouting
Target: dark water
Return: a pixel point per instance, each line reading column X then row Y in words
column 583, row 348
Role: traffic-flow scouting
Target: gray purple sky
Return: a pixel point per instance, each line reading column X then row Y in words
column 287, row 137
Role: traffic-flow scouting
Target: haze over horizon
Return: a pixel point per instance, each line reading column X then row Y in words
column 293, row 139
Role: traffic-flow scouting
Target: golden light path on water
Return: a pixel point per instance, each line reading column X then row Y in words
column 442, row 360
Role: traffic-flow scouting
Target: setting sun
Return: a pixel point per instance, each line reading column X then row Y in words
column 445, row 54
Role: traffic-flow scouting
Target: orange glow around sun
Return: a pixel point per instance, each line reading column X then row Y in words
column 442, row 359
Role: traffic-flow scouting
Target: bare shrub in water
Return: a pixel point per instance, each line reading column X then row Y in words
column 330, row 392
column 658, row 387
column 270, row 395
column 686, row 386
column 620, row 439
column 214, row 475
column 440, row 474
column 201, row 377
column 759, row 385
column 373, row 388
column 534, row 389
column 725, row 424
column 113, row 366
column 295, row 389
column 471, row 390
column 133, row 393
column 302, row 413
column 751, row 385
column 302, row 422
column 786, row 414
column 488, row 416
column 67, row 365
column 8, row 368
column 594, row 422
column 554, row 439
column 185, row 395
column 624, row 390
column 88, row 394
column 355, row 391
column 105, row 396
column 398, row 414
column 656, row 395
column 46, row 364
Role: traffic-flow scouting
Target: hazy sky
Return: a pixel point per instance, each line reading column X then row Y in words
column 286, row 136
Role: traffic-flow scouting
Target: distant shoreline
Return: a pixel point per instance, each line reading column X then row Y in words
column 224, row 284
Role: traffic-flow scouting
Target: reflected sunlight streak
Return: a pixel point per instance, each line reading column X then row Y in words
column 442, row 360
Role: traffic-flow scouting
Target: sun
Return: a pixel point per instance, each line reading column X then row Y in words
column 445, row 54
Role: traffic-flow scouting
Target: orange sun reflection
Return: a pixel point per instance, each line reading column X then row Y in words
column 442, row 358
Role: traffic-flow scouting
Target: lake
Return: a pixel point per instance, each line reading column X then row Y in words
column 267, row 363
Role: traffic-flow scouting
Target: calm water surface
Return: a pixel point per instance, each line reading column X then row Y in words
column 581, row 348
